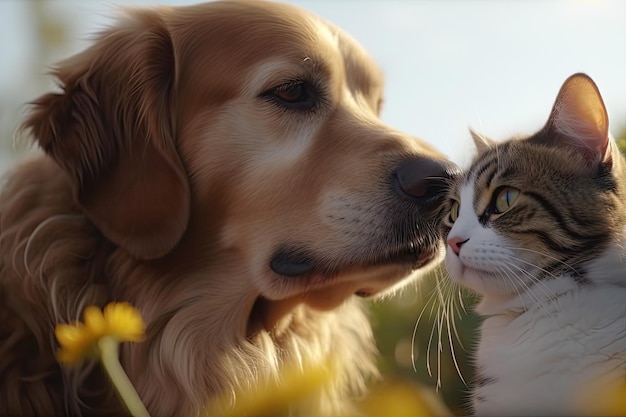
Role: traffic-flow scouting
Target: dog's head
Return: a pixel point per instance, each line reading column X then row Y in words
column 246, row 134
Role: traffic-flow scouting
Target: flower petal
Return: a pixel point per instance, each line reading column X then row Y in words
column 69, row 356
column 124, row 322
column 75, row 341
column 94, row 321
column 68, row 334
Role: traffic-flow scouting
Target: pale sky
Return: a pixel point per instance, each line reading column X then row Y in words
column 493, row 65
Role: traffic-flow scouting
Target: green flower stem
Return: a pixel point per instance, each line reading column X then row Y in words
column 109, row 356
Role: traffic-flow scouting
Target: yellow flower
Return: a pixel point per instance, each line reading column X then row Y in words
column 608, row 399
column 120, row 321
column 274, row 398
column 401, row 398
column 616, row 404
column 289, row 394
column 99, row 336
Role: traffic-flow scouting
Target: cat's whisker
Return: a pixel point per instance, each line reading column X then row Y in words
column 535, row 283
column 438, row 325
column 510, row 275
column 458, row 314
column 428, row 347
column 460, row 297
column 445, row 320
column 450, row 341
column 526, row 287
column 428, row 302
column 534, row 278
column 440, row 284
column 543, row 254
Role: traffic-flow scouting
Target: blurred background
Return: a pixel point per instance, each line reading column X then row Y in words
column 493, row 65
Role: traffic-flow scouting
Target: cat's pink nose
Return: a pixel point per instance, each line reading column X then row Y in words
column 455, row 244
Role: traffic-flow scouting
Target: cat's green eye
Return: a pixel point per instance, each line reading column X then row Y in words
column 505, row 198
column 454, row 211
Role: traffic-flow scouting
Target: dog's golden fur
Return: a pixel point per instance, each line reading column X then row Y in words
column 186, row 151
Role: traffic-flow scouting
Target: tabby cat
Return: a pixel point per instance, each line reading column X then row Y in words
column 537, row 228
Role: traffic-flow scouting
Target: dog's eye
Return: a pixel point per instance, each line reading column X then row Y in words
column 294, row 95
column 291, row 93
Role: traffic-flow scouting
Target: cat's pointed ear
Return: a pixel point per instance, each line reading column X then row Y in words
column 481, row 141
column 579, row 119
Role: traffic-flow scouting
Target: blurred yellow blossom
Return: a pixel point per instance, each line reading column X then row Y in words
column 607, row 400
column 287, row 397
column 276, row 398
column 99, row 337
column 403, row 398
column 119, row 320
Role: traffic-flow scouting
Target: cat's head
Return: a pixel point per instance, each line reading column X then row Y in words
column 534, row 208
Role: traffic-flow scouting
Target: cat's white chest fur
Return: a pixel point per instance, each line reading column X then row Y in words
column 548, row 359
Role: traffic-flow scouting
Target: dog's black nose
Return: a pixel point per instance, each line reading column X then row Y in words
column 423, row 178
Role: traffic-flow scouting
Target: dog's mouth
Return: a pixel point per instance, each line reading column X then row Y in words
column 300, row 264
column 325, row 285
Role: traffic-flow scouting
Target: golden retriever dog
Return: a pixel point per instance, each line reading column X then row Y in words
column 223, row 168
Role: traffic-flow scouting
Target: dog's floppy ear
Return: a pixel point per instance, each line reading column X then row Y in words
column 111, row 128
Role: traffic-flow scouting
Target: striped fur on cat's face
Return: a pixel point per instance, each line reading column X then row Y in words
column 534, row 208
